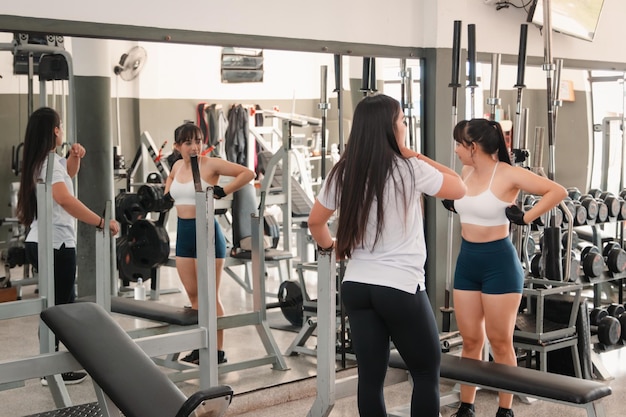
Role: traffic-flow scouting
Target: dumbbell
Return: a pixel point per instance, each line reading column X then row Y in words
column 569, row 205
column 574, row 267
column 592, row 261
column 603, row 211
column 622, row 200
column 530, row 201
column 622, row 321
column 575, row 240
column 575, row 194
column 615, row 310
column 595, row 192
column 580, row 215
column 591, row 205
column 612, row 202
column 606, row 327
column 614, row 257
column 535, row 265
column 530, row 246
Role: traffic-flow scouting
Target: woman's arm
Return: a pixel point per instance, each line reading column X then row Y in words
column 318, row 225
column 551, row 192
column 77, row 152
column 77, row 209
column 241, row 174
column 452, row 187
column 170, row 178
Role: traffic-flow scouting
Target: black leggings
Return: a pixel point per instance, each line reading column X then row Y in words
column 64, row 273
column 379, row 314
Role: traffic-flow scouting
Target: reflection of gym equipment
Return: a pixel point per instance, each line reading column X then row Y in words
column 98, row 343
column 15, row 375
column 184, row 329
column 606, row 326
column 304, row 310
column 277, row 188
column 148, row 145
column 144, row 244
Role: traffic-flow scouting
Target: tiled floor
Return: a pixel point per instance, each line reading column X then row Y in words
column 260, row 391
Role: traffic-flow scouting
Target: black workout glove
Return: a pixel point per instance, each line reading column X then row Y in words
column 218, row 192
column 515, row 215
column 449, row 205
column 168, row 201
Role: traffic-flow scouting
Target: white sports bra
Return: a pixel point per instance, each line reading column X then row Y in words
column 484, row 209
column 184, row 193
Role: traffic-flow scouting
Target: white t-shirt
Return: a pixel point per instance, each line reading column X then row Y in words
column 397, row 260
column 62, row 222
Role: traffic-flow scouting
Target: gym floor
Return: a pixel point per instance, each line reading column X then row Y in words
column 261, row 391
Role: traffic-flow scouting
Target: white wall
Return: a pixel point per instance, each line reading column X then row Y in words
column 417, row 23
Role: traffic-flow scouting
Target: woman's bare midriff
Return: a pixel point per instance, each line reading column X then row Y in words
column 185, row 211
column 481, row 234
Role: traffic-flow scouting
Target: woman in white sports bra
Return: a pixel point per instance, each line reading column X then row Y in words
column 488, row 277
column 179, row 185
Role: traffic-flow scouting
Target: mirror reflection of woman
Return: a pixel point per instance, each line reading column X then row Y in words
column 180, row 186
column 44, row 133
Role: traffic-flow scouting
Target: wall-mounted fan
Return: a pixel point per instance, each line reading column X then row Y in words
column 129, row 67
column 131, row 63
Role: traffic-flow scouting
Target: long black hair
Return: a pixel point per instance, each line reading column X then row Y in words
column 39, row 140
column 362, row 172
column 487, row 134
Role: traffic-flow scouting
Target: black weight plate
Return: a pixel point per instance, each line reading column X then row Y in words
column 290, row 300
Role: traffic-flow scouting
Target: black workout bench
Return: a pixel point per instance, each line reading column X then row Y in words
column 126, row 375
column 546, row 386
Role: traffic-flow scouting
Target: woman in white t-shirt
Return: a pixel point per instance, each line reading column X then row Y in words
column 377, row 188
column 44, row 133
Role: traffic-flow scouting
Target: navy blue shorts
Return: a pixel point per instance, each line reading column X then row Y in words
column 491, row 267
column 186, row 239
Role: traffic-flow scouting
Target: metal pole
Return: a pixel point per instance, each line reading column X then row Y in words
column 471, row 57
column 339, row 91
column 324, row 105
column 207, row 313
column 447, row 310
column 494, row 100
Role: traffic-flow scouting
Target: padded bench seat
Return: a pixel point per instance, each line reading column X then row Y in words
column 522, row 381
column 150, row 310
column 154, row 311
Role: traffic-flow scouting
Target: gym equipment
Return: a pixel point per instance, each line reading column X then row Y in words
column 615, row 310
column 151, row 197
column 561, row 389
column 613, row 204
column 447, row 310
column 606, row 327
column 535, row 328
column 149, row 243
column 580, row 216
column 615, row 257
column 324, row 106
column 574, row 193
column 591, row 205
column 592, row 261
column 97, row 341
column 290, row 301
column 128, row 208
column 622, row 321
